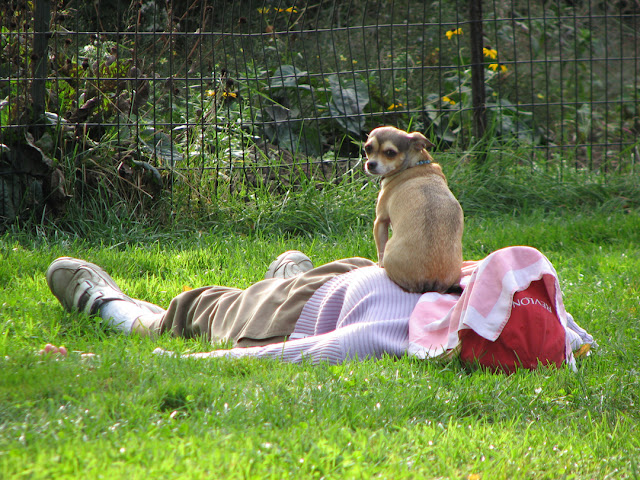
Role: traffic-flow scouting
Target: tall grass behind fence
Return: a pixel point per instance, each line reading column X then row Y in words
column 206, row 98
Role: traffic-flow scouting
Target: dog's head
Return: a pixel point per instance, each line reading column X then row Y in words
column 390, row 150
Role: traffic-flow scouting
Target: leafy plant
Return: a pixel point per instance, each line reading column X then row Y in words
column 349, row 98
column 447, row 117
column 294, row 99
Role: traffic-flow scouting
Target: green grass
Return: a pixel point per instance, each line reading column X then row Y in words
column 130, row 414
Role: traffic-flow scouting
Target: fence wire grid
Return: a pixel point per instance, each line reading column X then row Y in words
column 224, row 89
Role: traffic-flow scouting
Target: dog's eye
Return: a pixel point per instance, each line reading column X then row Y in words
column 390, row 153
column 368, row 148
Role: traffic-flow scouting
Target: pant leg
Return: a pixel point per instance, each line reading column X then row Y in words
column 266, row 312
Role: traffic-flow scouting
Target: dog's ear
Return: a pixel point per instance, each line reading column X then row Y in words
column 419, row 141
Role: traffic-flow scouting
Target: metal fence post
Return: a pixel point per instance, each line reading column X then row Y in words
column 478, row 94
column 41, row 34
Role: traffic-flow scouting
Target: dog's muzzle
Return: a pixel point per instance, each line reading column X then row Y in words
column 370, row 167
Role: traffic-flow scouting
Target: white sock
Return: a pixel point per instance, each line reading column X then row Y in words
column 121, row 314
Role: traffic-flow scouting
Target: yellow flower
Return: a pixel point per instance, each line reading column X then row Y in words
column 395, row 106
column 451, row 33
column 288, row 10
column 210, row 93
column 447, row 99
column 490, row 53
column 229, row 94
column 494, row 67
column 263, row 10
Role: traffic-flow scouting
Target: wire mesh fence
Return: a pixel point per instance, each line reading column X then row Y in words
column 219, row 95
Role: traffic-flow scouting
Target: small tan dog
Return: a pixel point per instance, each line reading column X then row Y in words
column 425, row 251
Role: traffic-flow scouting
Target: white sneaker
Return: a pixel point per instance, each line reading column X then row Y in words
column 289, row 264
column 83, row 286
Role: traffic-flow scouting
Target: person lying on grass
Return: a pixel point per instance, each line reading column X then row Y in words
column 346, row 309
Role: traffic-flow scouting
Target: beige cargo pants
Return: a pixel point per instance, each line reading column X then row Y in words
column 264, row 313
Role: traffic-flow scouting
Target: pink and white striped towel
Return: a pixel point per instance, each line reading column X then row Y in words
column 486, row 302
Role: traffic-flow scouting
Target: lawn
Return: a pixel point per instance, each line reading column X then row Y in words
column 129, row 414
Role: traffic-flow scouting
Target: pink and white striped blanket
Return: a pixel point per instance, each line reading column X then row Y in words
column 486, row 302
